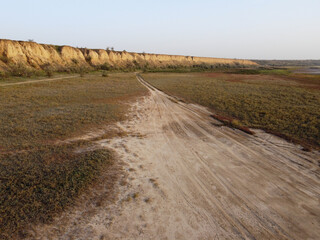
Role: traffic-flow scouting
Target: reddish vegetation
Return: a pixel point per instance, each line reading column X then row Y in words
column 228, row 121
column 307, row 80
column 214, row 74
column 303, row 80
column 239, row 77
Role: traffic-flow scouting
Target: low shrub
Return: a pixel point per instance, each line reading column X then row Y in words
column 5, row 59
column 49, row 73
column 58, row 48
column 19, row 70
column 75, row 61
column 105, row 66
column 105, row 74
column 3, row 75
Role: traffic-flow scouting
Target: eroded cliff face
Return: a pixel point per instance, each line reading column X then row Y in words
column 39, row 56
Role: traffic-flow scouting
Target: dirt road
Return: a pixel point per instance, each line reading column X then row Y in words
column 36, row 81
column 192, row 179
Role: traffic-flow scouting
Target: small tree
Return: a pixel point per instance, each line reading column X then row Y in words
column 49, row 73
column 82, row 71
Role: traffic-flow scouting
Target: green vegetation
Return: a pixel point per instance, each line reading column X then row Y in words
column 284, row 105
column 254, row 71
column 19, row 73
column 21, row 70
column 105, row 74
column 289, row 63
column 37, row 184
column 58, row 48
column 35, row 112
column 4, row 59
column 193, row 68
column 281, row 72
column 40, row 175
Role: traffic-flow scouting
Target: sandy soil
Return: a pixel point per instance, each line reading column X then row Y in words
column 189, row 178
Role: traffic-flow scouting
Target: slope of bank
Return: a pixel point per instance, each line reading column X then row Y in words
column 37, row 56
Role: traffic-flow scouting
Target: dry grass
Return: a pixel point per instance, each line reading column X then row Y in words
column 35, row 113
column 282, row 104
column 39, row 178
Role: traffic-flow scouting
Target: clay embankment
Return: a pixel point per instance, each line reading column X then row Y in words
column 39, row 56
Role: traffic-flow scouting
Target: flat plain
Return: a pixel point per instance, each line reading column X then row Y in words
column 277, row 101
column 190, row 177
column 161, row 155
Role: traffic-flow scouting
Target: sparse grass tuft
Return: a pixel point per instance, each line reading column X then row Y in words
column 154, row 183
column 135, row 195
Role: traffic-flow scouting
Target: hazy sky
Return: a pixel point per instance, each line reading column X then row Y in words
column 259, row 29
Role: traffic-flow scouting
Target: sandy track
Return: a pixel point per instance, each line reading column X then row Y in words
column 36, row 81
column 191, row 179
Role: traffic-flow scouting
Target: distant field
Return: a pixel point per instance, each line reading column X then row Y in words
column 281, row 63
column 38, row 175
column 278, row 101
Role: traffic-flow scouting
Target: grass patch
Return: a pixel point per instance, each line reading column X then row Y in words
column 196, row 68
column 35, row 185
column 35, row 113
column 275, row 71
column 278, row 104
column 255, row 71
column 38, row 177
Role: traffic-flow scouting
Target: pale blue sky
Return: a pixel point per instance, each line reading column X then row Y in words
column 259, row 29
